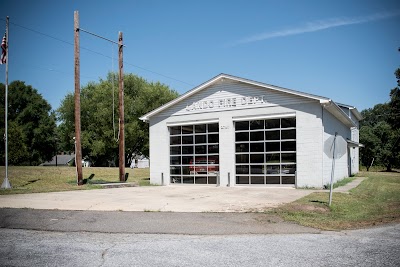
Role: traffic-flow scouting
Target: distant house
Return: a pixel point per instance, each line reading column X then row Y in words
column 59, row 160
column 139, row 161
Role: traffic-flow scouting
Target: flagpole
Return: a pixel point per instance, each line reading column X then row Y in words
column 6, row 183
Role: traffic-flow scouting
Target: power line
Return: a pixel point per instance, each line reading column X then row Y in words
column 41, row 33
column 54, row 70
column 98, row 53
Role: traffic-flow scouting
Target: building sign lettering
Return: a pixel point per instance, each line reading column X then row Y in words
column 226, row 103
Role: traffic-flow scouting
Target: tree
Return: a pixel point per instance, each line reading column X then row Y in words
column 380, row 131
column 31, row 123
column 371, row 143
column 98, row 125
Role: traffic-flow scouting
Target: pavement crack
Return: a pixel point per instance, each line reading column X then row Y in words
column 104, row 253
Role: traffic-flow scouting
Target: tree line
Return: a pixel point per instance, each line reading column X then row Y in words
column 380, row 132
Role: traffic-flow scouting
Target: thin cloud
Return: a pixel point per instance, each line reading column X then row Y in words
column 317, row 26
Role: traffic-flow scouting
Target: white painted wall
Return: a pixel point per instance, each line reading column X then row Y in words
column 332, row 126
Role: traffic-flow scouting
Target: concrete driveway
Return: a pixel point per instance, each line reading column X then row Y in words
column 159, row 198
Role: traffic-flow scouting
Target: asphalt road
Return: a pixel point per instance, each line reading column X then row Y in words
column 371, row 247
column 92, row 238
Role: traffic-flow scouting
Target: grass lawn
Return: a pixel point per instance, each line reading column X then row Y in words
column 35, row 179
column 375, row 201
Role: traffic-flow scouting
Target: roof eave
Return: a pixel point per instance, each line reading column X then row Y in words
column 333, row 108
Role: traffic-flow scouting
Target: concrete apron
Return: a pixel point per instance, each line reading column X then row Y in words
column 159, row 198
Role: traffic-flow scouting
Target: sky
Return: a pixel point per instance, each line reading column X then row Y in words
column 346, row 50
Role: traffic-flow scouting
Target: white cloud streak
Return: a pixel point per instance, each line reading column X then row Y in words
column 317, row 26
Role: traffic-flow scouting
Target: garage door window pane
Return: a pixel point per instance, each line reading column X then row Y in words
column 188, row 179
column 242, row 147
column 288, row 169
column 242, row 179
column 288, row 157
column 175, row 140
column 213, row 128
column 272, row 158
column 257, row 180
column 273, row 179
column 188, row 129
column 200, row 139
column 272, row 146
column 213, row 149
column 187, row 160
column 213, row 138
column 187, row 149
column 187, row 139
column 200, row 149
column 212, row 179
column 242, row 137
column 175, row 150
column 186, row 170
column 257, row 147
column 289, row 146
column 175, row 160
column 175, row 130
column 271, row 124
column 273, row 169
column 254, row 125
column 288, row 122
column 241, row 125
column 272, row 135
column 289, row 134
column 257, row 136
column 288, row 179
column 175, row 170
column 200, row 128
column 257, row 169
column 257, row 158
column 176, row 179
column 242, row 158
column 201, row 179
column 242, row 169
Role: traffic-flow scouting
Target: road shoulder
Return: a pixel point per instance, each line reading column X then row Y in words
column 148, row 222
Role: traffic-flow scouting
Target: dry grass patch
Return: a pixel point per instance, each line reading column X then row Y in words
column 36, row 179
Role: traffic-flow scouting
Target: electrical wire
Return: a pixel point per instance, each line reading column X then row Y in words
column 98, row 53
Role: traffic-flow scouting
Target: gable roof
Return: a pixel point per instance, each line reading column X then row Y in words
column 326, row 102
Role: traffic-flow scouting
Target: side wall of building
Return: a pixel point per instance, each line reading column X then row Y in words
column 336, row 157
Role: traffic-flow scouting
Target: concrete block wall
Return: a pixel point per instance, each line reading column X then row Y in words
column 309, row 145
column 332, row 126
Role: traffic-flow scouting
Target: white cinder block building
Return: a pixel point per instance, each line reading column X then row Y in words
column 232, row 131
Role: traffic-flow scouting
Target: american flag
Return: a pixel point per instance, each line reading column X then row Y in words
column 4, row 50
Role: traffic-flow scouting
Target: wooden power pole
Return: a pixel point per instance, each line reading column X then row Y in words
column 78, row 148
column 121, row 110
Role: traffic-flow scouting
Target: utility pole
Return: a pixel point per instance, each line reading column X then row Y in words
column 121, row 110
column 6, row 183
column 78, row 149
